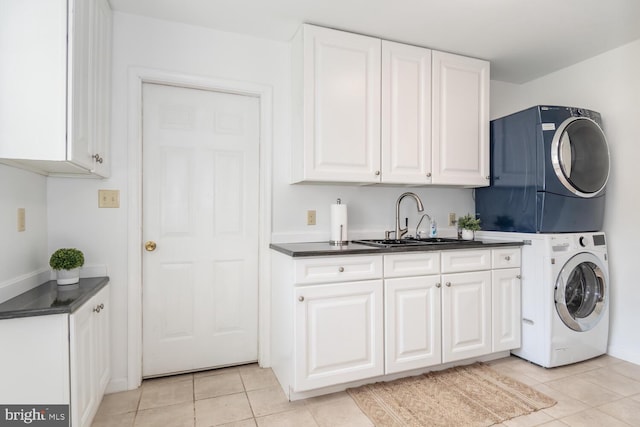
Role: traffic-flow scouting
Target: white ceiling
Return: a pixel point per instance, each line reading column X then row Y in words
column 523, row 39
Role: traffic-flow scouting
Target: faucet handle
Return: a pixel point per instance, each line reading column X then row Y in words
column 387, row 234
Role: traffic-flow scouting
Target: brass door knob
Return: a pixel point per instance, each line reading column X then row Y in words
column 150, row 246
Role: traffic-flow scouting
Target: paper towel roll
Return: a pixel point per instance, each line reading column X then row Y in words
column 339, row 224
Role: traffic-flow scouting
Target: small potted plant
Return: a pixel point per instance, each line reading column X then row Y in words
column 469, row 225
column 67, row 263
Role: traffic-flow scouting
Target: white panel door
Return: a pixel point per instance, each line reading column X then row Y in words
column 338, row 333
column 341, row 106
column 505, row 309
column 200, row 195
column 460, row 120
column 406, row 114
column 466, row 315
column 412, row 323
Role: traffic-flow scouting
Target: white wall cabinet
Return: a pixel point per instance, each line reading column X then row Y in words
column 373, row 111
column 406, row 114
column 55, row 108
column 89, row 356
column 336, row 84
column 338, row 333
column 460, row 120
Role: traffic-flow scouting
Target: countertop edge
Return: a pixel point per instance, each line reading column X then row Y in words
column 93, row 285
column 357, row 249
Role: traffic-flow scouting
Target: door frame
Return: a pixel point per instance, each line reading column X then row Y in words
column 137, row 77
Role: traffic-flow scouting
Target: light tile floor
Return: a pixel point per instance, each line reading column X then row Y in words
column 600, row 392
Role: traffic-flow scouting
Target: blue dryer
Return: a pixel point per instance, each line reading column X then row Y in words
column 549, row 170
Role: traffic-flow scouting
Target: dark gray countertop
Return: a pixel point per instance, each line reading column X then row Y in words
column 315, row 249
column 49, row 298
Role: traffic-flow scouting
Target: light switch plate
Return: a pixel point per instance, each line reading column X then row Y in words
column 22, row 223
column 108, row 198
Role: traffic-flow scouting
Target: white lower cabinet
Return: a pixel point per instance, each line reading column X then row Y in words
column 466, row 315
column 412, row 323
column 338, row 333
column 382, row 314
column 506, row 313
column 58, row 359
column 89, row 356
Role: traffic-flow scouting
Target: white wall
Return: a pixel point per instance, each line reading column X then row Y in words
column 24, row 260
column 74, row 218
column 610, row 84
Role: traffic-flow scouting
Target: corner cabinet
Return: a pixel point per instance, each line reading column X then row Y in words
column 373, row 111
column 59, row 359
column 55, row 108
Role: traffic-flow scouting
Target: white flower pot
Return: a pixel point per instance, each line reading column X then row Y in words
column 68, row 277
column 467, row 234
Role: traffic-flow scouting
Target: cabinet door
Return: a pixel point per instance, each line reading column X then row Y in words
column 101, row 341
column 101, row 89
column 82, row 355
column 80, row 97
column 406, row 114
column 338, row 333
column 466, row 315
column 341, row 107
column 505, row 312
column 412, row 323
column 460, row 120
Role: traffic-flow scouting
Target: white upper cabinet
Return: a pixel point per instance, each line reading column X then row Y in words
column 54, row 111
column 460, row 120
column 336, row 87
column 406, row 114
column 372, row 111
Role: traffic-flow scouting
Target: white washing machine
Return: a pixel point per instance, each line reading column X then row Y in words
column 565, row 296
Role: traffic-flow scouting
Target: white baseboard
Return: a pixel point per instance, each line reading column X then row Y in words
column 624, row 353
column 116, row 385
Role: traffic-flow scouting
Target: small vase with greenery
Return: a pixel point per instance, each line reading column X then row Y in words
column 67, row 263
column 469, row 225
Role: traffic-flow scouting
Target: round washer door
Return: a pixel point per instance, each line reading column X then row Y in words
column 581, row 292
column 580, row 156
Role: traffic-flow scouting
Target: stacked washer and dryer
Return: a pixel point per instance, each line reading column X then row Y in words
column 549, row 170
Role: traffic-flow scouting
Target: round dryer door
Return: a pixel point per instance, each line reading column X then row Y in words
column 580, row 156
column 581, row 292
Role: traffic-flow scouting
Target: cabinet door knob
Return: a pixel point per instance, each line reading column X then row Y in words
column 96, row 309
column 300, row 299
column 377, row 173
column 150, row 246
column 97, row 158
column 448, row 284
column 438, row 285
column 508, row 258
column 341, row 269
column 519, row 276
column 428, row 174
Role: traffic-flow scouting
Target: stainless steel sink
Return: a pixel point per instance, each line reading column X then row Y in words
column 395, row 243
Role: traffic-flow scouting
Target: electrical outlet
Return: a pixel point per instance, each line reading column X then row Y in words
column 311, row 217
column 452, row 219
column 108, row 198
column 22, row 223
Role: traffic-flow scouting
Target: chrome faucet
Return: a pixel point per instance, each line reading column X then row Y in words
column 399, row 232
